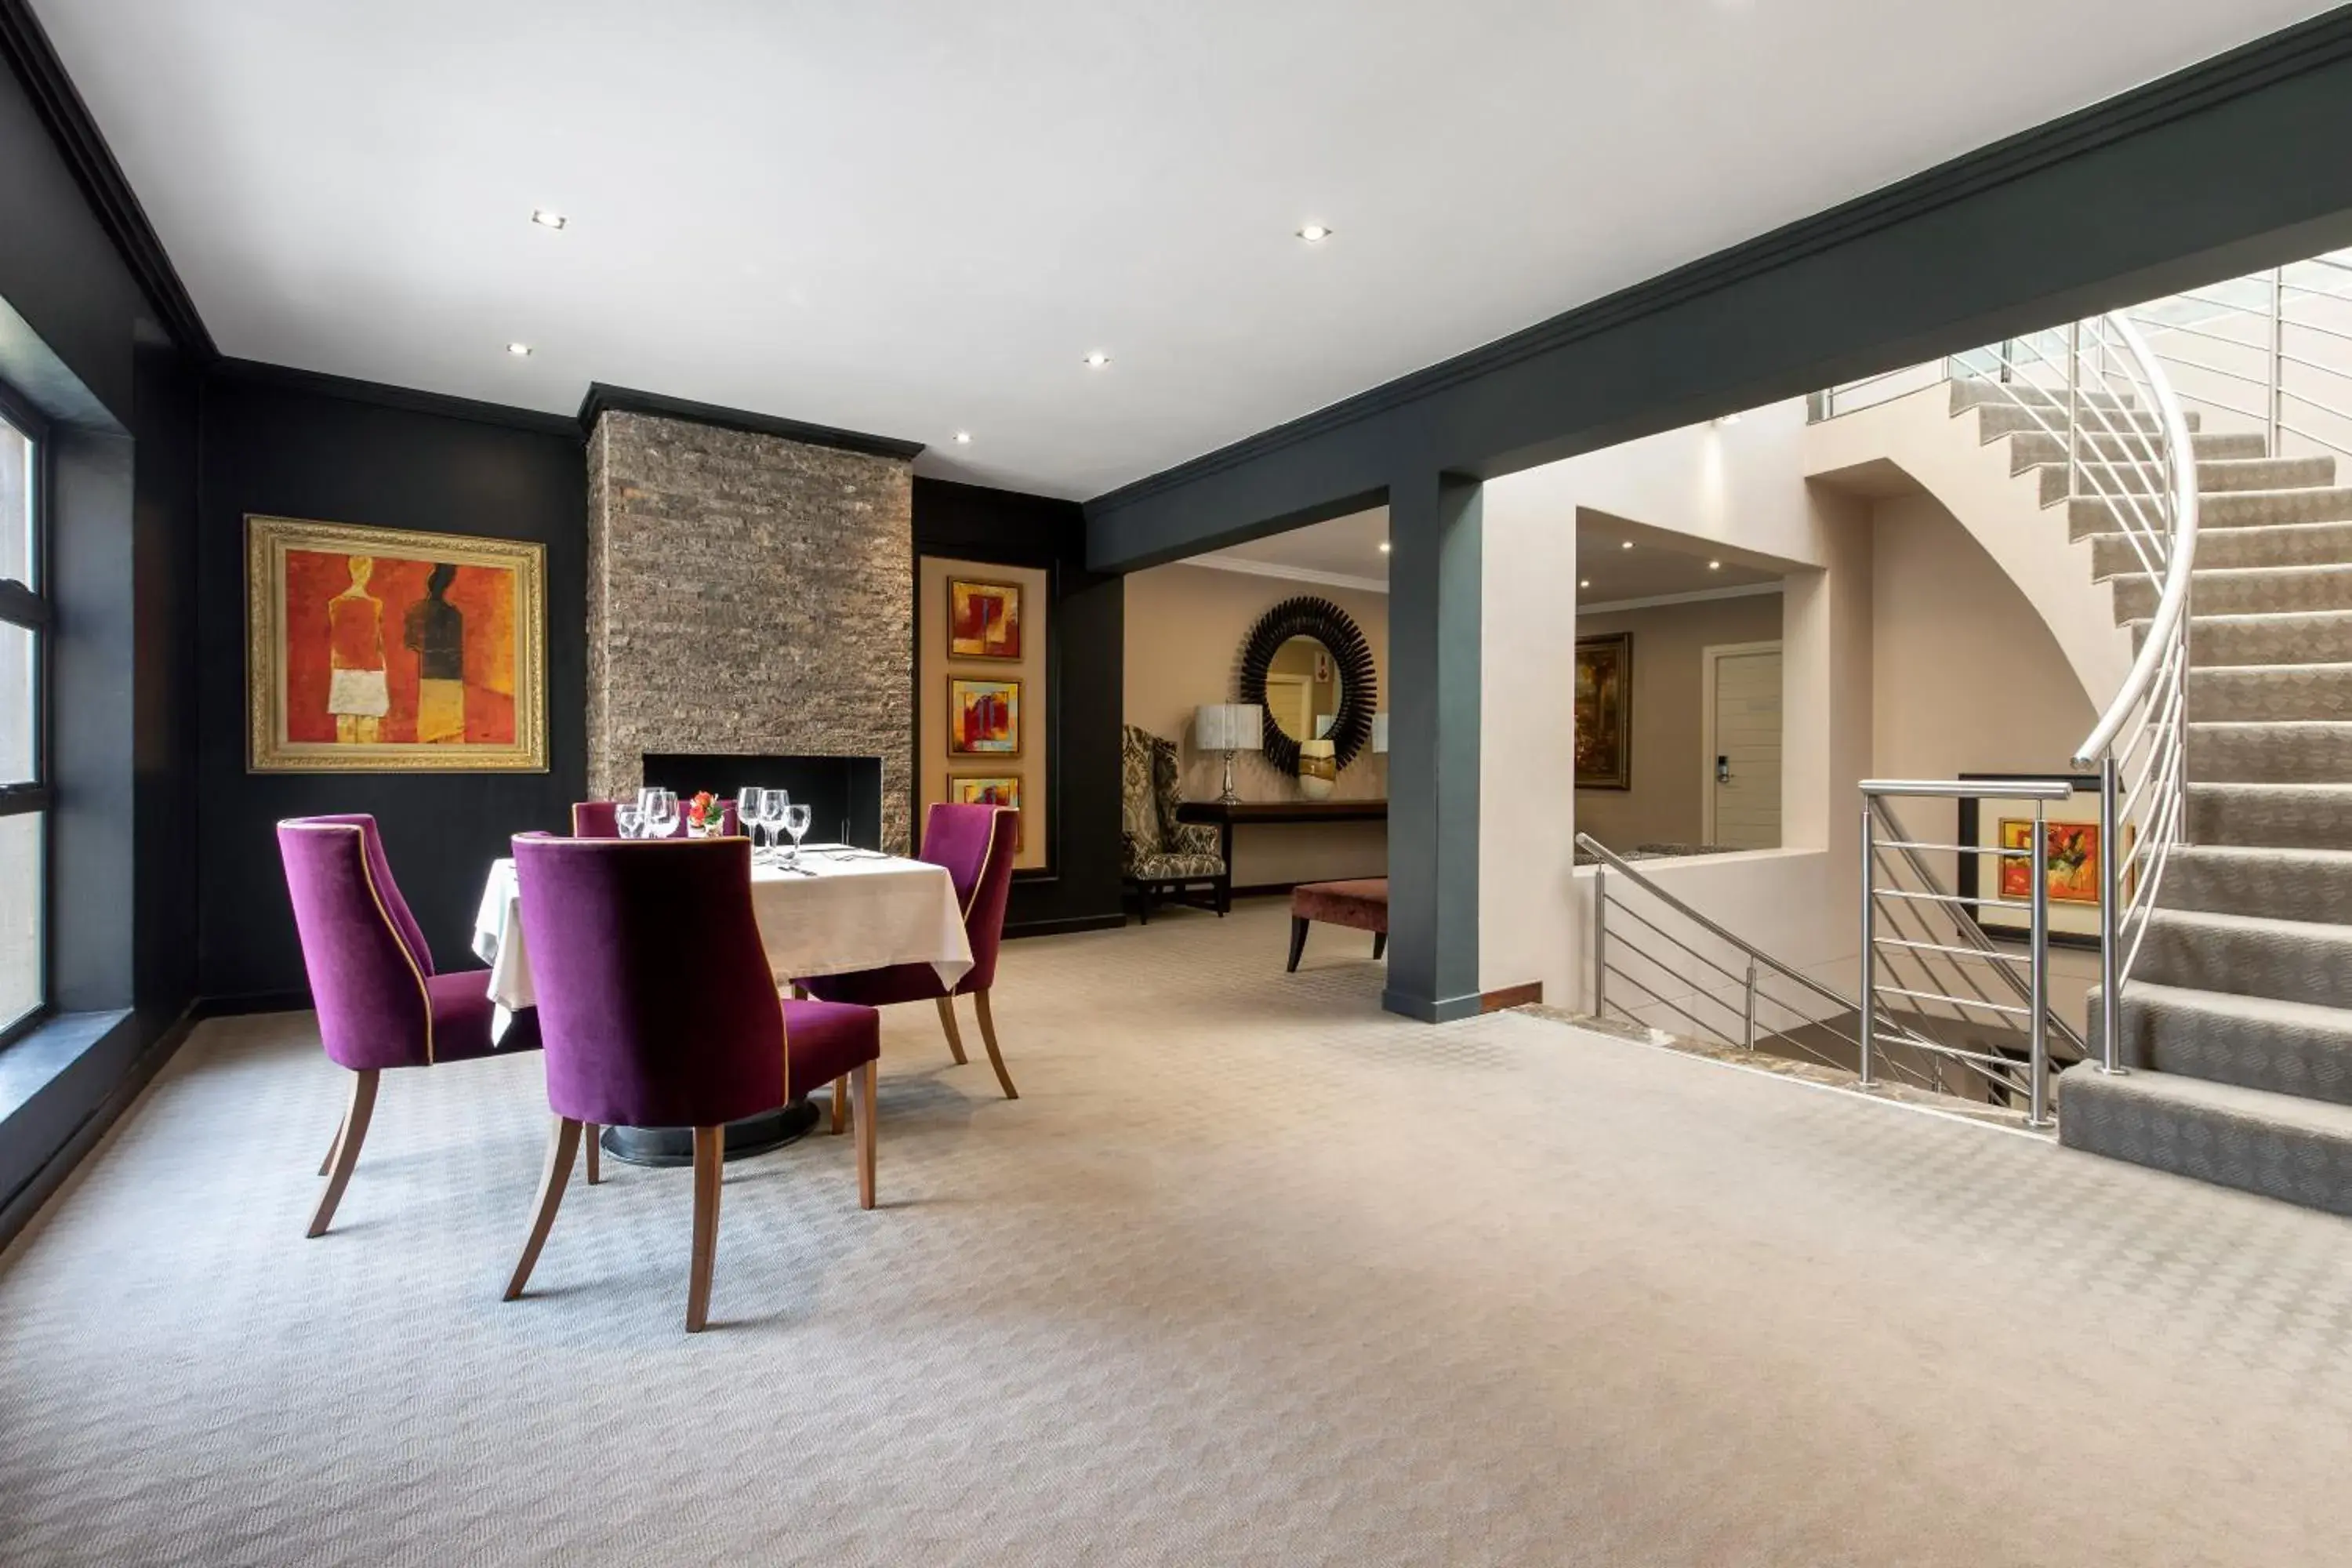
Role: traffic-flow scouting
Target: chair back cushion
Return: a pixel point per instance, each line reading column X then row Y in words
column 1166, row 787
column 974, row 842
column 366, row 979
column 656, row 1006
column 1139, row 800
column 412, row 935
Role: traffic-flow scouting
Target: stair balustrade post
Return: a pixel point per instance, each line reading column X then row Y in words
column 2073, row 410
column 2278, row 400
column 1747, row 1033
column 2038, row 967
column 2111, row 1002
column 1869, row 941
column 1601, row 940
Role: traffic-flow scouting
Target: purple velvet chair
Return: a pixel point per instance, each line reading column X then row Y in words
column 596, row 819
column 636, row 1038
column 380, row 1003
column 974, row 842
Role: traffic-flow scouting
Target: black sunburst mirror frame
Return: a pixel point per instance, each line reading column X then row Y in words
column 1328, row 624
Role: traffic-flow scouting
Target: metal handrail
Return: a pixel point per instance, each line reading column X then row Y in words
column 1619, row 863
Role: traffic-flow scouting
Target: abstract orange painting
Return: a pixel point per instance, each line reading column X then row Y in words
column 2071, row 859
column 385, row 650
column 983, row 619
column 983, row 717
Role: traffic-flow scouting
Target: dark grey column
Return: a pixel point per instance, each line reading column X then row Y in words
column 1434, row 634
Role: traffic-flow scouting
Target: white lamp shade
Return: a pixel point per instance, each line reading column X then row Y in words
column 1379, row 731
column 1229, row 726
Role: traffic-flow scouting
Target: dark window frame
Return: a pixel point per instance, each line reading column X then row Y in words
column 28, row 605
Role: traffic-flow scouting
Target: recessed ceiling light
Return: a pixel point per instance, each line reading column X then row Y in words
column 1097, row 359
column 519, row 350
column 1584, row 582
column 1314, row 233
column 1627, row 545
column 1715, row 565
column 546, row 219
column 1384, row 547
column 963, row 438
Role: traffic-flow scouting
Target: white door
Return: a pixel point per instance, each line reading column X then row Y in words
column 1743, row 745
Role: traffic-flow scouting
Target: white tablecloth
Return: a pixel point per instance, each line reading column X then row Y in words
column 859, row 911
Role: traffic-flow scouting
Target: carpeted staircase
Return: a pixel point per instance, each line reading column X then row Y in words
column 2237, row 1021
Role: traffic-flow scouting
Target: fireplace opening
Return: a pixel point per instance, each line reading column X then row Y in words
column 844, row 795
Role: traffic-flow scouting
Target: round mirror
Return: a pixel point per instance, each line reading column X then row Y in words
column 1303, row 689
column 1307, row 666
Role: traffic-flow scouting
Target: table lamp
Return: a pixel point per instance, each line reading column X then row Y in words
column 1229, row 726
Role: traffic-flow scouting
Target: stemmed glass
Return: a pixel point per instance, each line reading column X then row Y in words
column 796, row 823
column 750, row 811
column 661, row 807
column 629, row 818
column 774, row 810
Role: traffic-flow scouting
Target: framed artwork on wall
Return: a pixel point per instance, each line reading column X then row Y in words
column 983, row 717
column 1604, row 711
column 983, row 619
column 989, row 789
column 2072, row 859
column 384, row 650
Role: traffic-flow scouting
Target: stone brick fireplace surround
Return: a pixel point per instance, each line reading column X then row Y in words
column 747, row 592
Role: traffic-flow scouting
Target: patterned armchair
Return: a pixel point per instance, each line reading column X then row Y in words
column 1165, row 858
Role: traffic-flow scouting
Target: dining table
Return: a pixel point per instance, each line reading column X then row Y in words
column 831, row 908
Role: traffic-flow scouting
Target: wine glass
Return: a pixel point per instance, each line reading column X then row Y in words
column 779, row 803
column 751, row 807
column 796, row 823
column 629, row 818
column 661, row 812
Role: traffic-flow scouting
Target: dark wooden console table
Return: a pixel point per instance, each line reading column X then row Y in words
column 1252, row 813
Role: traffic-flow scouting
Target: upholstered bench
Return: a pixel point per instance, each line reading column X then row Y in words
column 1362, row 905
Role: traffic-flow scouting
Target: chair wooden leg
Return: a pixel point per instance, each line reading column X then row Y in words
column 347, row 1149
column 955, row 1034
column 563, row 1148
column 865, row 1121
column 590, row 1131
column 1379, row 942
column 988, row 1038
column 328, row 1163
column 709, row 1169
column 840, row 1104
column 1297, row 942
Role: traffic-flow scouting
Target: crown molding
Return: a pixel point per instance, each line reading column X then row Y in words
column 26, row 48
column 319, row 383
column 605, row 399
column 1217, row 560
column 2307, row 46
column 1696, row 597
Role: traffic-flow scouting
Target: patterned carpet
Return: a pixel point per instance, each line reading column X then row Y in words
column 1252, row 1274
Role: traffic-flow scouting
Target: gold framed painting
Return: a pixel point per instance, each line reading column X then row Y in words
column 983, row 619
column 989, row 789
column 983, row 717
column 1998, row 886
column 386, row 650
column 1604, row 711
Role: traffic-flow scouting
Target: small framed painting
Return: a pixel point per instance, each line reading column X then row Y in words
column 989, row 789
column 382, row 650
column 983, row 717
column 983, row 619
column 2072, row 860
column 1604, row 711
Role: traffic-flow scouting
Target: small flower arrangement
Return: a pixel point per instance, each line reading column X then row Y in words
column 706, row 816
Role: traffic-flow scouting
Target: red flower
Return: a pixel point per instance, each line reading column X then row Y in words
column 703, row 809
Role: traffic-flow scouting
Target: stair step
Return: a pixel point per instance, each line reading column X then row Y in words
column 2214, row 476
column 2297, row 751
column 1988, row 392
column 2245, row 590
column 2030, row 448
column 1995, row 420
column 2272, row 884
column 2254, row 1042
column 2248, row 955
column 2255, row 693
column 2225, row 549
column 2279, row 1145
column 2215, row 642
column 2087, row 515
column 2271, row 816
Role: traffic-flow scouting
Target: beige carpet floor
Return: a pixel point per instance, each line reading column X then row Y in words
column 1253, row 1273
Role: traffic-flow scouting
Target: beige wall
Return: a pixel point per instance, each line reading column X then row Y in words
column 1185, row 627
column 1667, row 802
column 933, row 766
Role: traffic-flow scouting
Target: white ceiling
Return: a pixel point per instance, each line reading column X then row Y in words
column 1344, row 553
column 913, row 218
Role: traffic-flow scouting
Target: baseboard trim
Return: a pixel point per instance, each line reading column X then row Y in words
column 245, row 1002
column 25, row 1202
column 1432, row 1010
column 1511, row 996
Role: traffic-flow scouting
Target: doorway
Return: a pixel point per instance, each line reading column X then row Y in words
column 1740, row 699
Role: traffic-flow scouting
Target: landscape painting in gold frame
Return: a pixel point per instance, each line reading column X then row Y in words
column 388, row 650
